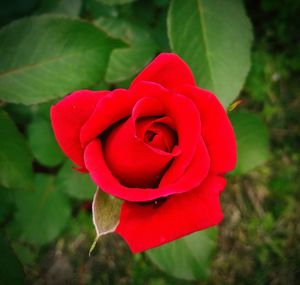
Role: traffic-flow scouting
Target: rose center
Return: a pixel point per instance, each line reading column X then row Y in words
column 157, row 134
column 149, row 136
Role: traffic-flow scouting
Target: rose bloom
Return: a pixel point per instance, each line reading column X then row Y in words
column 162, row 146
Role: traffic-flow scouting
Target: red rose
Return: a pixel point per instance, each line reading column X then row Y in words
column 162, row 146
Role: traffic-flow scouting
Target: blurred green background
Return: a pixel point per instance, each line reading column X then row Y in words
column 247, row 52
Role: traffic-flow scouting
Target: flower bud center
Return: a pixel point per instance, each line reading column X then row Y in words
column 156, row 134
column 149, row 136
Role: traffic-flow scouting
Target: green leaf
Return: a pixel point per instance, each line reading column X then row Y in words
column 75, row 184
column 43, row 144
column 47, row 57
column 187, row 258
column 106, row 212
column 20, row 113
column 41, row 110
column 6, row 198
column 42, row 214
column 63, row 7
column 95, row 9
column 214, row 38
column 26, row 254
column 81, row 222
column 252, row 141
column 128, row 61
column 101, row 86
column 160, row 32
column 129, row 32
column 115, row 2
column 11, row 271
column 15, row 157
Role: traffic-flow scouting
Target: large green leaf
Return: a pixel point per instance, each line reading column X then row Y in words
column 214, row 38
column 252, row 141
column 188, row 257
column 11, row 271
column 128, row 61
column 41, row 214
column 122, row 29
column 47, row 57
column 64, row 7
column 43, row 144
column 75, row 184
column 15, row 157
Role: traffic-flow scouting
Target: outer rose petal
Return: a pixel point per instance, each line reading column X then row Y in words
column 217, row 131
column 112, row 108
column 68, row 116
column 167, row 69
column 147, row 226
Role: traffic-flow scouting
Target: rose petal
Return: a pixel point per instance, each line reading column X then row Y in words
column 148, row 107
column 217, row 131
column 147, row 226
column 68, row 116
column 112, row 108
column 167, row 69
column 103, row 177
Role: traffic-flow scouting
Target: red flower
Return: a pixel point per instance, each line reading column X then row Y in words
column 162, row 146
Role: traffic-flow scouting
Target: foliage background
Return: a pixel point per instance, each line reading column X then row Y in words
column 45, row 218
